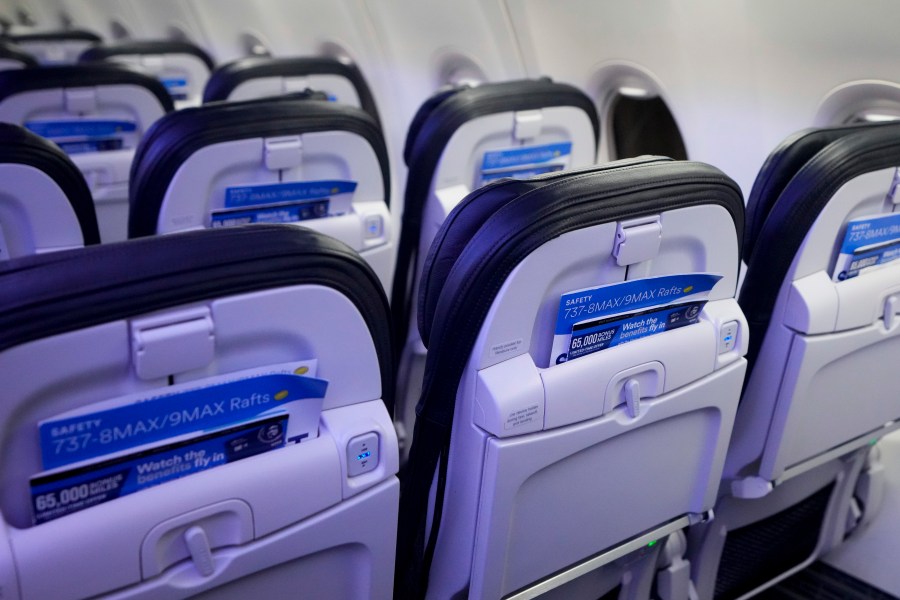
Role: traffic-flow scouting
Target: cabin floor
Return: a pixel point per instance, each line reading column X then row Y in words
column 820, row 581
column 871, row 554
column 865, row 566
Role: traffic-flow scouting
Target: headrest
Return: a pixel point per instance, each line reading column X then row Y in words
column 9, row 51
column 20, row 146
column 781, row 165
column 488, row 213
column 449, row 108
column 175, row 137
column 431, row 130
column 49, row 294
column 228, row 77
column 873, row 147
column 68, row 35
column 106, row 51
column 17, row 81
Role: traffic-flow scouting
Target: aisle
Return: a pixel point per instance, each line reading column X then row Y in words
column 871, row 555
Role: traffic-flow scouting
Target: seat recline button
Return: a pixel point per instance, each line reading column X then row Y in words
column 728, row 337
column 362, row 454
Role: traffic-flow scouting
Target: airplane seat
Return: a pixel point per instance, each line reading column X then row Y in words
column 585, row 360
column 227, row 435
column 52, row 48
column 460, row 139
column 257, row 77
column 778, row 169
column 182, row 67
column 820, row 295
column 13, row 57
column 96, row 114
column 45, row 204
column 287, row 159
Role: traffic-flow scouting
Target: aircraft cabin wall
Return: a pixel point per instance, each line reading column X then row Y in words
column 729, row 81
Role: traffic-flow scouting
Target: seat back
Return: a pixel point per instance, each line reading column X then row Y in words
column 287, row 160
column 460, row 139
column 819, row 295
column 13, row 57
column 45, row 204
column 256, row 77
column 181, row 67
column 51, row 48
column 96, row 114
column 233, row 443
column 545, row 434
column 778, row 170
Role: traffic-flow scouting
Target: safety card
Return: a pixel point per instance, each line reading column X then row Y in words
column 77, row 136
column 285, row 202
column 593, row 319
column 124, row 445
column 58, row 493
column 868, row 242
column 525, row 161
column 176, row 85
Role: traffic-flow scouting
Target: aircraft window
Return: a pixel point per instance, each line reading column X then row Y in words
column 119, row 31
column 178, row 34
column 253, row 46
column 24, row 17
column 643, row 124
column 857, row 102
column 874, row 116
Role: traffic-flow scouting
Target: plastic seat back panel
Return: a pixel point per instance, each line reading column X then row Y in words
column 255, row 77
column 35, row 215
column 469, row 159
column 578, row 400
column 537, row 428
column 127, row 101
column 294, row 511
column 223, row 164
column 45, row 204
column 829, row 340
column 817, row 388
column 180, row 66
column 588, row 487
column 335, row 86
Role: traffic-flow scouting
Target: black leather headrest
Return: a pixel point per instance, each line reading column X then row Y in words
column 58, row 292
column 107, row 51
column 17, row 81
column 174, row 138
column 228, row 77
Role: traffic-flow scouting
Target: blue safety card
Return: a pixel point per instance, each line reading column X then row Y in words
column 175, row 86
column 76, row 136
column 592, row 336
column 57, row 494
column 273, row 214
column 286, row 202
column 525, row 161
column 90, row 434
column 592, row 319
column 868, row 242
column 290, row 191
